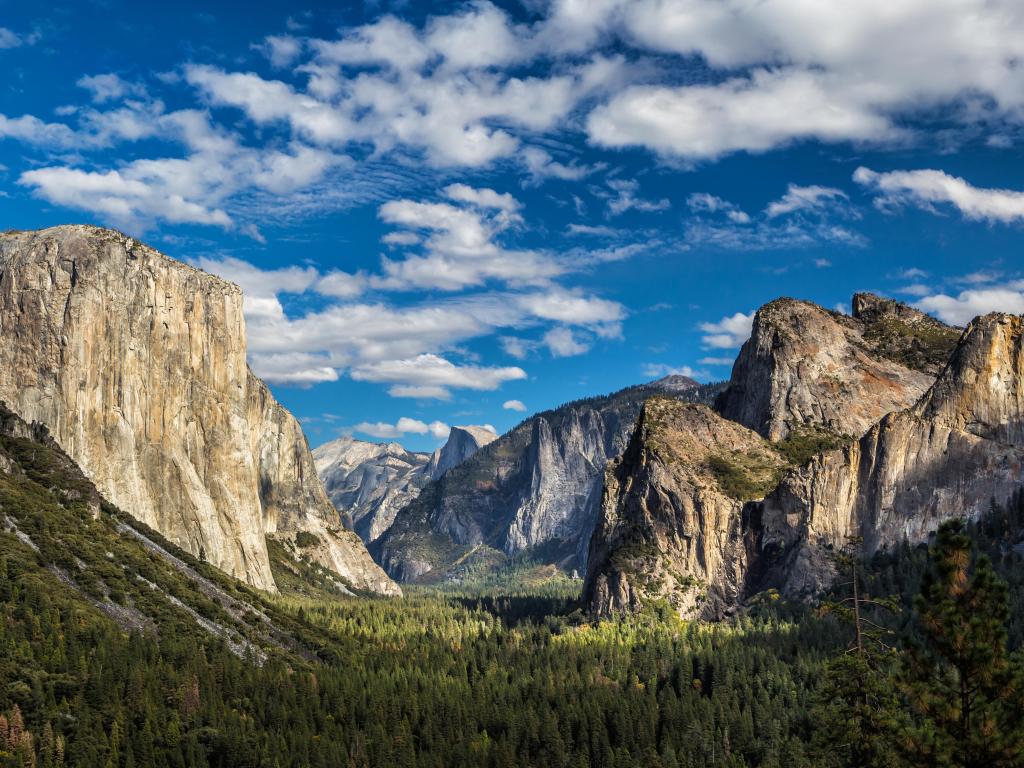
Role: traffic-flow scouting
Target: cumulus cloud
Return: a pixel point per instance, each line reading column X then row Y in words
column 928, row 189
column 402, row 427
column 824, row 71
column 766, row 110
column 729, row 332
column 428, row 370
column 965, row 306
column 110, row 87
column 564, row 342
column 514, row 405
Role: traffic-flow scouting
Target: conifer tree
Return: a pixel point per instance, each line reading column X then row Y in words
column 961, row 683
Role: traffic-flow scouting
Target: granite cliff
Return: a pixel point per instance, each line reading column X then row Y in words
column 671, row 524
column 806, row 368
column 535, row 490
column 881, row 426
column 369, row 482
column 137, row 365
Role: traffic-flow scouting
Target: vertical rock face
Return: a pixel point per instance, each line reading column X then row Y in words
column 137, row 364
column 671, row 525
column 804, row 366
column 948, row 454
column 957, row 448
column 535, row 489
column 462, row 443
column 370, row 482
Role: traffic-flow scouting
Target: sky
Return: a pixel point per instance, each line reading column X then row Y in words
column 465, row 213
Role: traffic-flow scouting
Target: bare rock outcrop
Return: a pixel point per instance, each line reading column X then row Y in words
column 806, row 367
column 369, row 482
column 671, row 524
column 536, row 489
column 958, row 448
column 137, row 365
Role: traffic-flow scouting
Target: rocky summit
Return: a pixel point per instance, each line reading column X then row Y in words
column 137, row 365
column 369, row 482
column 702, row 516
column 806, row 368
column 535, row 490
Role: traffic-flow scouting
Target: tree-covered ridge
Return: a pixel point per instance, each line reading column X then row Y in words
column 435, row 680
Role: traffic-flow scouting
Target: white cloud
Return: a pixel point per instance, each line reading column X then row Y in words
column 428, row 370
column 281, row 50
column 803, row 217
column 461, row 247
column 541, row 165
column 626, row 199
column 701, row 202
column 915, row 289
column 716, row 361
column 964, row 307
column 298, row 369
column 482, row 198
column 766, row 110
column 928, row 188
column 110, row 87
column 797, row 198
column 10, row 39
column 594, row 231
column 32, row 130
column 402, row 427
column 514, row 405
column 517, row 347
column 729, row 332
column 564, row 342
column 121, row 197
column 194, row 189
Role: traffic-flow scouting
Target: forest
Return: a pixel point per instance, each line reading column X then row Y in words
column 113, row 655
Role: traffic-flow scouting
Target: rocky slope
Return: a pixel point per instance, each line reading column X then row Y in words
column 805, row 368
column 960, row 446
column 953, row 450
column 671, row 524
column 462, row 443
column 537, row 490
column 137, row 364
column 369, row 482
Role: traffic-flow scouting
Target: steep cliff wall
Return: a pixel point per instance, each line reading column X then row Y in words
column 462, row 443
column 370, row 482
column 957, row 448
column 537, row 488
column 137, row 364
column 671, row 525
column 805, row 367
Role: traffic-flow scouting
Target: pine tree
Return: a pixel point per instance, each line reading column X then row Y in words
column 857, row 703
column 961, row 683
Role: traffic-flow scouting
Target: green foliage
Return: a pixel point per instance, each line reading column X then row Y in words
column 745, row 476
column 963, row 687
column 922, row 345
column 467, row 677
column 806, row 442
column 306, row 540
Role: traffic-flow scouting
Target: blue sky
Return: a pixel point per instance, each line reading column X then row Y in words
column 468, row 212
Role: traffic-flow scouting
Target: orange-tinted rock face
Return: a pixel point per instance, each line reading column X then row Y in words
column 137, row 364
